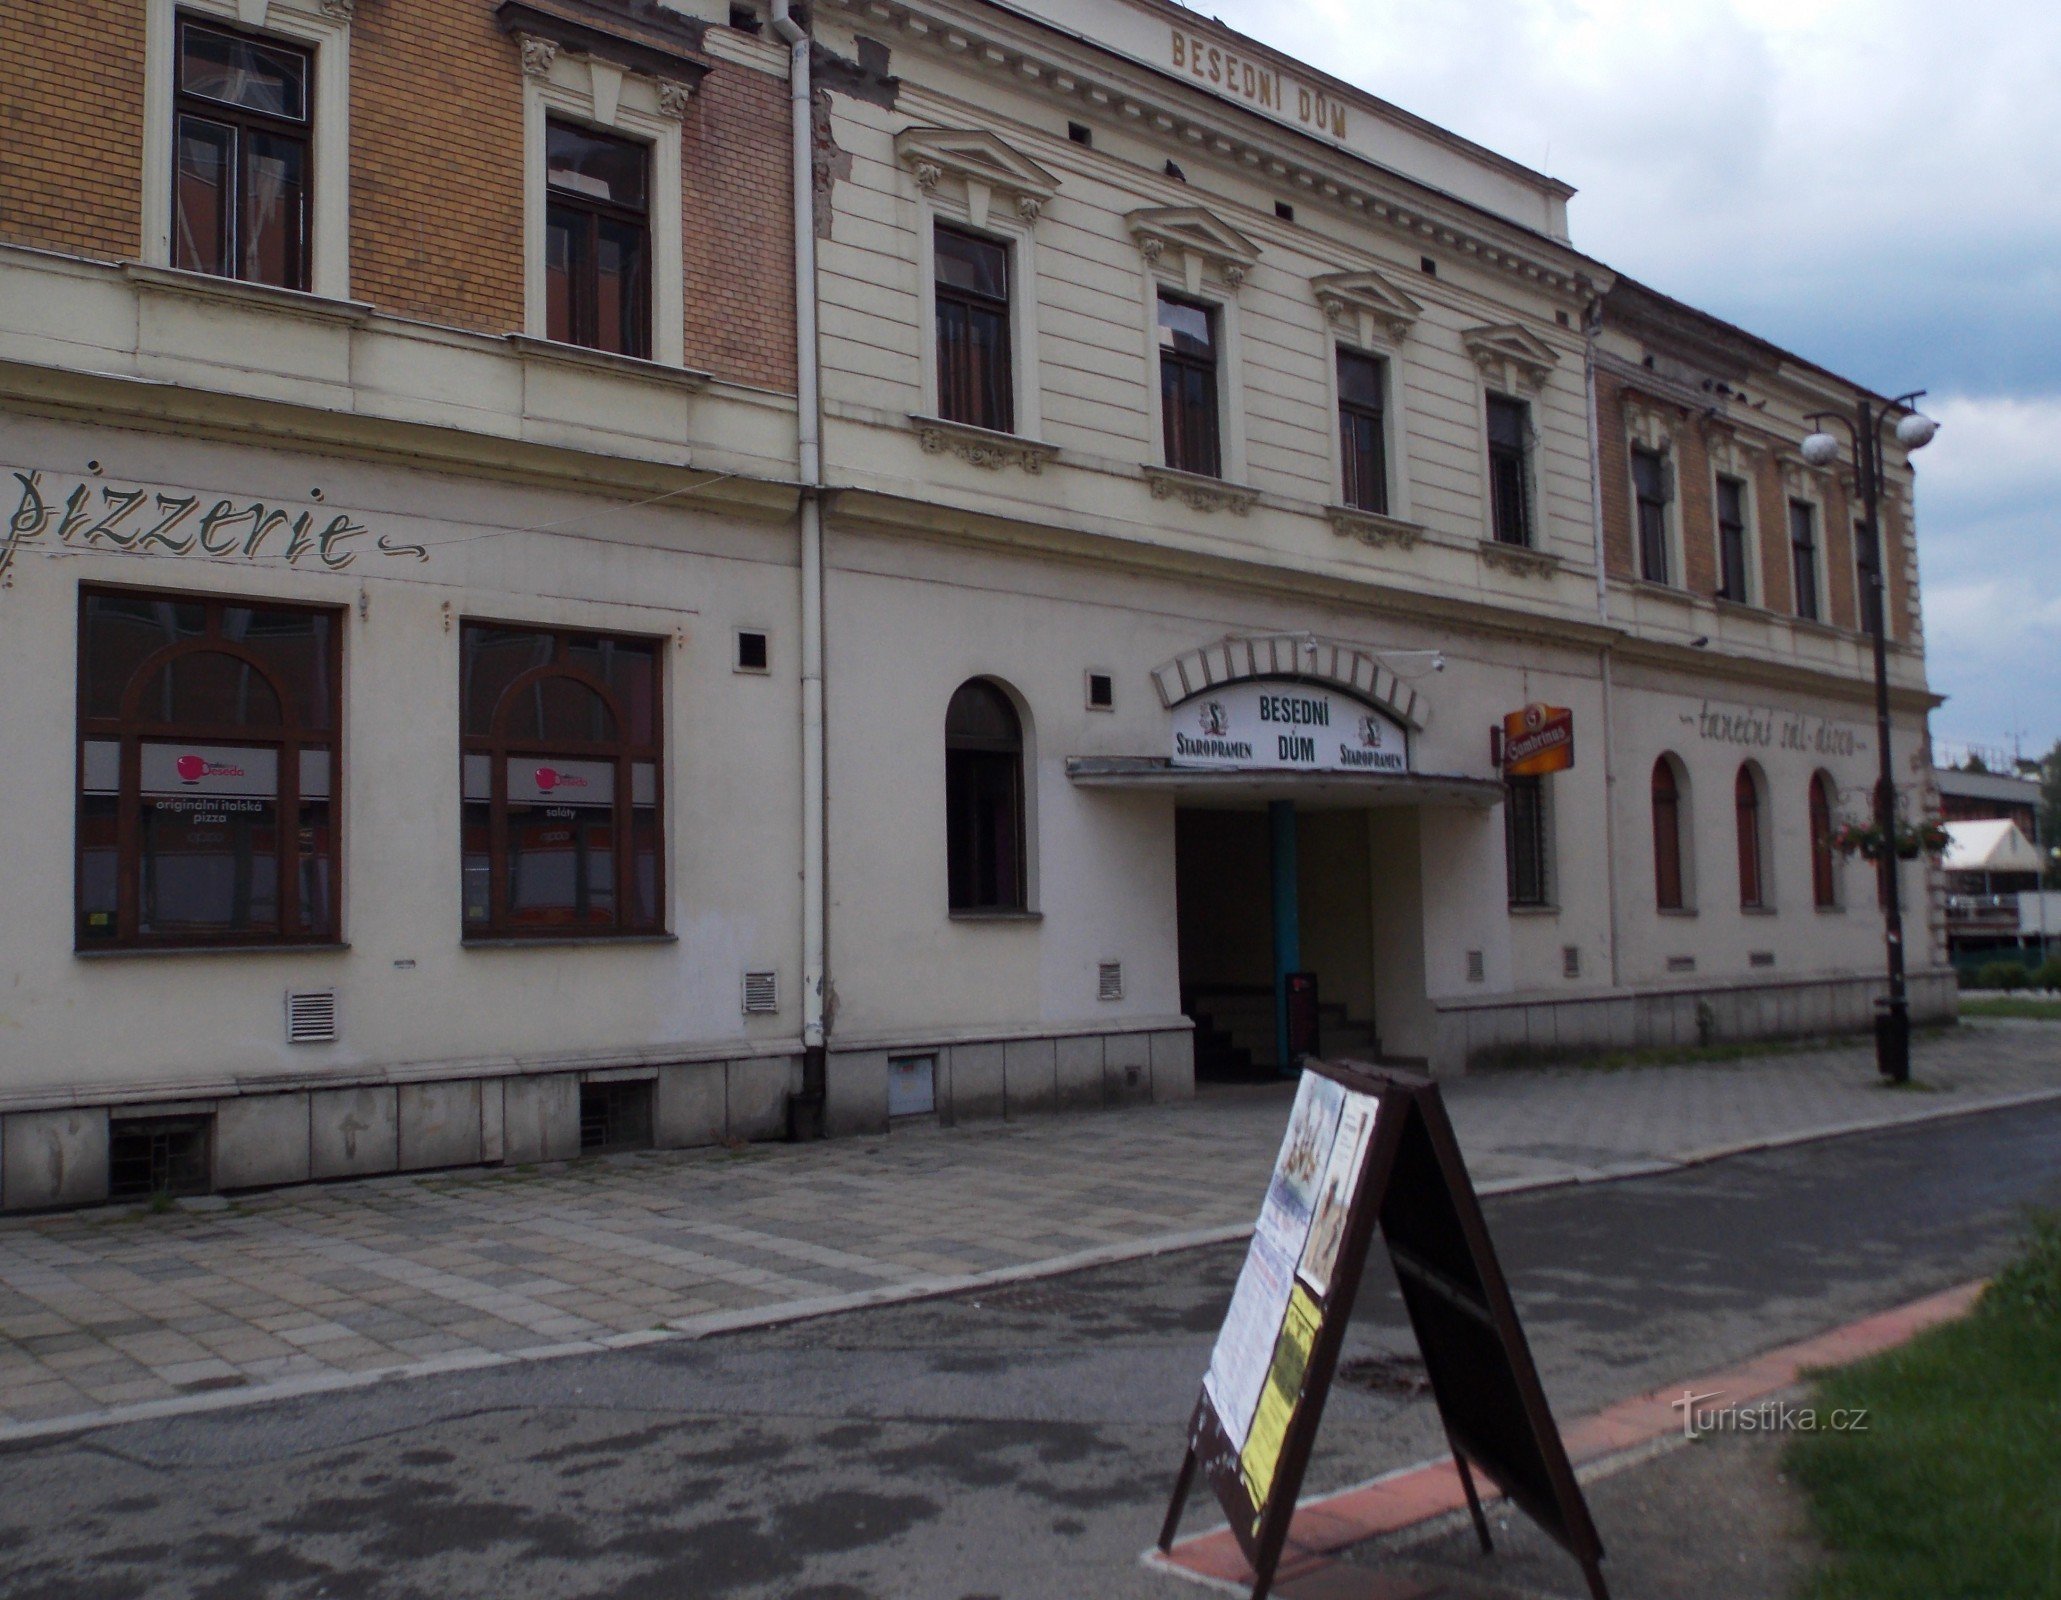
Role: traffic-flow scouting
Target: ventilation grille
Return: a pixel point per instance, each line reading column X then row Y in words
column 1109, row 980
column 311, row 1016
column 1477, row 967
column 761, row 993
column 1681, row 963
column 1762, row 958
column 1571, row 960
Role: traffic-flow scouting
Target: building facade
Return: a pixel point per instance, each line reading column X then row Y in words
column 555, row 650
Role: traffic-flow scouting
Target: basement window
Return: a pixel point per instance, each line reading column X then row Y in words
column 157, row 1155
column 615, row 1116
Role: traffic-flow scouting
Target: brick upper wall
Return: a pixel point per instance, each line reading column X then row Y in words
column 436, row 170
column 71, row 126
column 1614, row 465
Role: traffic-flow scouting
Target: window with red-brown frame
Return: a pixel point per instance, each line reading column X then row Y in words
column 209, row 766
column 562, row 781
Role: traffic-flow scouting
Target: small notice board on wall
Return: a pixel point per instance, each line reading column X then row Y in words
column 1364, row 1152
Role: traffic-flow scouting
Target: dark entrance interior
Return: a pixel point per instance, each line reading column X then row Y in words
column 1224, row 883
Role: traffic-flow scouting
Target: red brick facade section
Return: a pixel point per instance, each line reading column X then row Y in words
column 737, row 205
column 436, row 170
column 1771, row 505
column 71, row 126
column 1614, row 464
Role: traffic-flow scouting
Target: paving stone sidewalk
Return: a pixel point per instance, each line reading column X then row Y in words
column 126, row 1311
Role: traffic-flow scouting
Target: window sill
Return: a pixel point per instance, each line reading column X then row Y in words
column 578, row 355
column 1374, row 528
column 1675, row 911
column 1523, row 559
column 153, row 951
column 1727, row 606
column 560, row 940
column 984, row 447
column 996, row 916
column 1831, row 911
column 1199, row 492
column 239, row 291
column 1535, row 911
column 1757, row 911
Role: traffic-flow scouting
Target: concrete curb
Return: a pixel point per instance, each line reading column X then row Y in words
column 711, row 1324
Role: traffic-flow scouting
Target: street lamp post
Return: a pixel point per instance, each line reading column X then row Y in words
column 1821, row 449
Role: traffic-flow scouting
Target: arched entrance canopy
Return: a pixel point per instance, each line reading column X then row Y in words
column 1241, row 658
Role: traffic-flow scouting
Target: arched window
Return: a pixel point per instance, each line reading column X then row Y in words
column 208, row 757
column 1668, row 886
column 984, row 800
column 1824, row 881
column 1746, row 810
column 561, row 783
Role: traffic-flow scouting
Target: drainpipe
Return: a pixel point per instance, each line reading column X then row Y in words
column 805, row 1113
column 1592, row 330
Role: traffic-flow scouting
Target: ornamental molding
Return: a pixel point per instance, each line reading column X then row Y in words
column 1199, row 493
column 1519, row 559
column 1801, row 480
column 1368, row 300
column 339, row 10
column 537, row 54
column 986, row 164
column 626, row 36
column 1303, row 657
column 1650, row 422
column 1356, row 188
column 982, row 447
column 1511, row 356
column 1371, row 528
column 1198, row 238
column 1731, row 452
column 673, row 97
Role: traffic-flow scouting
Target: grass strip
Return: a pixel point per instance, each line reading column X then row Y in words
column 1953, row 1491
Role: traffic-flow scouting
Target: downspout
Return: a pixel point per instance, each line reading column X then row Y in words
column 805, row 1112
column 1592, row 330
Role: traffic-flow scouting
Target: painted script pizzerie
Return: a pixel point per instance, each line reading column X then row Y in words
column 157, row 522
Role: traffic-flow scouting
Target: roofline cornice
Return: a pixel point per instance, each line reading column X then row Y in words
column 1027, row 51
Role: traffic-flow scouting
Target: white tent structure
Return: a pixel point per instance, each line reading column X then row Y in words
column 1989, row 847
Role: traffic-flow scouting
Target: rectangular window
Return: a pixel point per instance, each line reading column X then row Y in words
column 1188, row 386
column 1803, row 557
column 597, row 240
column 1731, row 521
column 1509, row 453
column 241, row 156
column 1527, row 842
column 974, row 383
column 1363, row 431
column 562, row 800
column 208, row 765
column 1868, row 570
column 1650, row 489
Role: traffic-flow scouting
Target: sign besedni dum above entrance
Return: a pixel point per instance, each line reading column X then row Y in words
column 1285, row 726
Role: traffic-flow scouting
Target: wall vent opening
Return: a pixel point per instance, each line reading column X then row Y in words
column 1284, row 210
column 1101, row 691
column 761, row 993
column 1477, row 967
column 1571, row 961
column 1081, row 133
column 615, row 1116
column 311, row 1016
column 754, row 651
column 1681, row 963
column 1109, row 980
column 1762, row 958
column 157, row 1155
column 1427, row 266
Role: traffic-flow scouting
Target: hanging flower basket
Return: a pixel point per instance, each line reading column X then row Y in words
column 1910, row 841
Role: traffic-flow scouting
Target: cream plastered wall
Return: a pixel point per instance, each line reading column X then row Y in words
column 79, row 1024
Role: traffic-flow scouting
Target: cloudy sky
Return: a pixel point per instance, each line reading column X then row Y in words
column 1875, row 185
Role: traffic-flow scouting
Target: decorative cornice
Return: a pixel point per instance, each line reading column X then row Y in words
column 1371, row 528
column 635, row 36
column 1302, row 656
column 1199, row 493
column 982, row 446
column 1422, row 215
column 1511, row 356
column 985, row 163
column 1349, row 297
column 1199, row 236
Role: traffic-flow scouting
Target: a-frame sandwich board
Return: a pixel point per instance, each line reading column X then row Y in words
column 1370, row 1150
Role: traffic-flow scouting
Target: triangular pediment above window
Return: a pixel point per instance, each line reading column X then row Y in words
column 1197, row 233
column 976, row 157
column 1511, row 355
column 1345, row 296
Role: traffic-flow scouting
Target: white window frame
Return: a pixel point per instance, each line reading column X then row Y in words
column 1646, row 429
column 1549, row 848
column 1187, row 284
column 1019, row 237
column 325, row 28
column 1749, row 506
column 1390, row 355
column 613, row 100
column 1811, row 495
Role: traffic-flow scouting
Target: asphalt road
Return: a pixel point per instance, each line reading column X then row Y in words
column 992, row 1447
